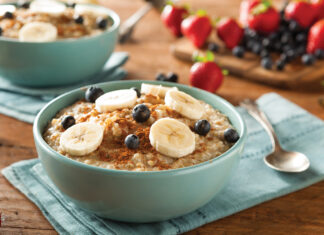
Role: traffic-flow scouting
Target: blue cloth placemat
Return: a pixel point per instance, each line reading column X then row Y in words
column 252, row 183
column 24, row 103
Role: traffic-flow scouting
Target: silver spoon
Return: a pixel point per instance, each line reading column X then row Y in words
column 279, row 159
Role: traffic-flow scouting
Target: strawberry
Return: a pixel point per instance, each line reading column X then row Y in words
column 245, row 8
column 316, row 37
column 172, row 17
column 318, row 6
column 263, row 18
column 230, row 32
column 206, row 74
column 300, row 11
column 197, row 28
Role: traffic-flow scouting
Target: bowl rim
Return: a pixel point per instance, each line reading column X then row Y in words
column 110, row 12
column 53, row 154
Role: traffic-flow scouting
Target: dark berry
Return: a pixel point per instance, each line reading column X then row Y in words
column 277, row 46
column 231, row 135
column 301, row 37
column 93, row 93
column 67, row 122
column 8, row 15
column 251, row 33
column 308, row 59
column 266, row 42
column 132, row 141
column 291, row 54
column 102, row 23
column 300, row 50
column 141, row 113
column 71, row 5
column 266, row 63
column 23, row 4
column 160, row 77
column 238, row 51
column 214, row 47
column 280, row 65
column 284, row 58
column 256, row 48
column 286, row 38
column 202, row 127
column 172, row 77
column 264, row 53
column 319, row 54
column 294, row 26
column 138, row 93
column 78, row 19
column 0, row 31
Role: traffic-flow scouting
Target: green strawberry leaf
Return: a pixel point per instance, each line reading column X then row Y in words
column 169, row 3
column 225, row 72
column 209, row 57
column 201, row 13
column 261, row 7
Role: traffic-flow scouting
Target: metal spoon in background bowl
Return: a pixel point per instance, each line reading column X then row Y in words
column 126, row 29
column 279, row 159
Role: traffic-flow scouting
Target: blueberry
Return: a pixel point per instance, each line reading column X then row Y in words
column 92, row 93
column 300, row 50
column 319, row 54
column 102, row 23
column 141, row 113
column 214, row 47
column 286, row 38
column 277, row 46
column 67, row 122
column 160, row 77
column 0, row 31
column 71, row 5
column 273, row 36
column 266, row 42
column 308, row 59
column 294, row 26
column 256, row 48
column 132, row 141
column 172, row 77
column 291, row 54
column 23, row 4
column 301, row 37
column 231, row 135
column 238, row 51
column 251, row 33
column 264, row 53
column 266, row 63
column 202, row 127
column 138, row 93
column 8, row 15
column 284, row 58
column 280, row 64
column 78, row 19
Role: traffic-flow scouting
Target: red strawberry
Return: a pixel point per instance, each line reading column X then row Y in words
column 316, row 37
column 172, row 17
column 245, row 8
column 230, row 32
column 263, row 18
column 206, row 74
column 318, row 6
column 197, row 28
column 300, row 11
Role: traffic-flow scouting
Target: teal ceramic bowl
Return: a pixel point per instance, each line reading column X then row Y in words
column 60, row 62
column 138, row 196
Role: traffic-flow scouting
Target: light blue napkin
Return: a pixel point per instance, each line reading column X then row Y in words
column 252, row 183
column 24, row 103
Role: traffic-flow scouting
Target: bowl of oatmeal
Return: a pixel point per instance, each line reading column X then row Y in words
column 139, row 151
column 47, row 43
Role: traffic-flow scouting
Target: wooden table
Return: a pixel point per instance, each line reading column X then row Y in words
column 297, row 213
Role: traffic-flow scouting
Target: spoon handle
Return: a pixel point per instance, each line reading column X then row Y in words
column 260, row 116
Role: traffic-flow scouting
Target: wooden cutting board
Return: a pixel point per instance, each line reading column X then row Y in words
column 294, row 76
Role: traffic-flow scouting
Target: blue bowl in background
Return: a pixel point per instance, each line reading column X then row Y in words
column 57, row 63
column 138, row 196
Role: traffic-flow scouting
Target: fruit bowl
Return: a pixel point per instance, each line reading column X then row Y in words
column 57, row 63
column 133, row 196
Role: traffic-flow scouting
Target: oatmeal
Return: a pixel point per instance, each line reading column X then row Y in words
column 47, row 20
column 160, row 128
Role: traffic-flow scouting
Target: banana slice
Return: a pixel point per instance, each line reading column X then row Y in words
column 156, row 90
column 37, row 32
column 6, row 8
column 116, row 100
column 90, row 10
column 172, row 138
column 82, row 138
column 47, row 6
column 184, row 104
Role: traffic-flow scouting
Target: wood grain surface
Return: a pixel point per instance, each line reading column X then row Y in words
column 297, row 213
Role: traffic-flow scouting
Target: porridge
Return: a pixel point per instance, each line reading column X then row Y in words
column 157, row 128
column 49, row 20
